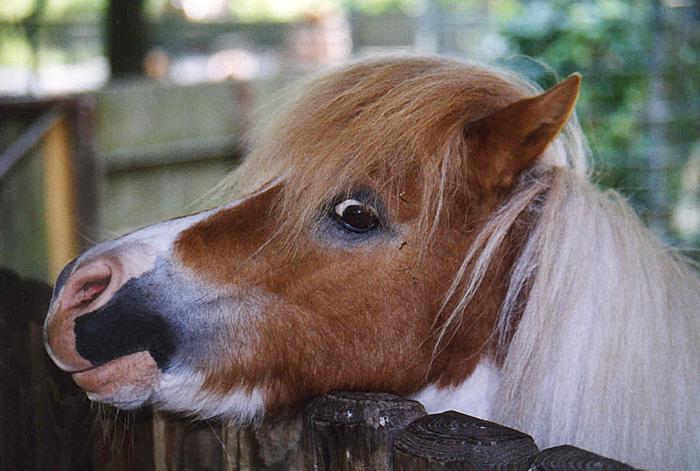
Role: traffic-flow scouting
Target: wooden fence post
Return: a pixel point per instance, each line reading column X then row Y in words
column 352, row 431
column 58, row 194
column 572, row 458
column 452, row 441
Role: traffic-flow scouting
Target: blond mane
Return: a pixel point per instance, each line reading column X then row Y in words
column 605, row 354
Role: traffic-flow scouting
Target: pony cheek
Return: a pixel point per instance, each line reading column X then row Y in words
column 126, row 382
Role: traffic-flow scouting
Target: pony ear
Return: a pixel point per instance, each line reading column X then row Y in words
column 512, row 138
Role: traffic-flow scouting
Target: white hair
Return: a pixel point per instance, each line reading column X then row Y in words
column 605, row 355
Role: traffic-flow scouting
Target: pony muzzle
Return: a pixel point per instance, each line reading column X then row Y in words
column 86, row 289
column 83, row 290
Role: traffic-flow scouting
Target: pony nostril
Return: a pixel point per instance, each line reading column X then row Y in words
column 86, row 289
column 90, row 291
column 86, row 286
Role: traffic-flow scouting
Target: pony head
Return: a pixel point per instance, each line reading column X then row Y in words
column 390, row 233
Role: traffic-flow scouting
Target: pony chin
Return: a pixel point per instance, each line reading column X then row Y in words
column 184, row 392
column 137, row 376
column 140, row 382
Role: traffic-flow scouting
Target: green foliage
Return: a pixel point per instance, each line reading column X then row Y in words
column 609, row 42
column 15, row 10
column 65, row 9
column 14, row 47
column 378, row 7
column 18, row 10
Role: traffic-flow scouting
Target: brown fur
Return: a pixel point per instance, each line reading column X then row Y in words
column 439, row 143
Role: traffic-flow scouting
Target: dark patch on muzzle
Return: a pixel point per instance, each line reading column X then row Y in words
column 127, row 324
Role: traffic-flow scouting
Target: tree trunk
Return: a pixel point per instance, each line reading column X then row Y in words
column 127, row 38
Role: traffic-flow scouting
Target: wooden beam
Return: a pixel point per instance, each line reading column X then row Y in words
column 127, row 37
column 61, row 230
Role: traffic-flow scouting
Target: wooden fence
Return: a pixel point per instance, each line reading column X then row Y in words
column 82, row 169
column 161, row 147
column 46, row 148
column 47, row 423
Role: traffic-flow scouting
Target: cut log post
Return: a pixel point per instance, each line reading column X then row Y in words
column 451, row 441
column 351, row 431
column 572, row 458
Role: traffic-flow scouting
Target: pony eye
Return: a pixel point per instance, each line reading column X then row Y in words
column 355, row 216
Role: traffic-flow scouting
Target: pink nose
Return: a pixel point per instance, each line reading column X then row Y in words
column 90, row 287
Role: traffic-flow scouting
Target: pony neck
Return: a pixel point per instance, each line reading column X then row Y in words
column 596, row 324
column 609, row 327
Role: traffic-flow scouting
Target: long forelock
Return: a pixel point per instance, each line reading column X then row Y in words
column 378, row 123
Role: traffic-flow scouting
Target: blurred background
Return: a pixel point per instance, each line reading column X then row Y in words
column 118, row 113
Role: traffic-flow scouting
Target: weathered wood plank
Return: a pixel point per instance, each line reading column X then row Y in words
column 352, row 431
column 23, row 241
column 44, row 417
column 121, row 440
column 572, row 458
column 451, row 441
column 274, row 445
column 46, row 422
column 59, row 201
column 186, row 445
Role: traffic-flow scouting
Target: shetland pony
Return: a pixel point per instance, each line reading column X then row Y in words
column 412, row 225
